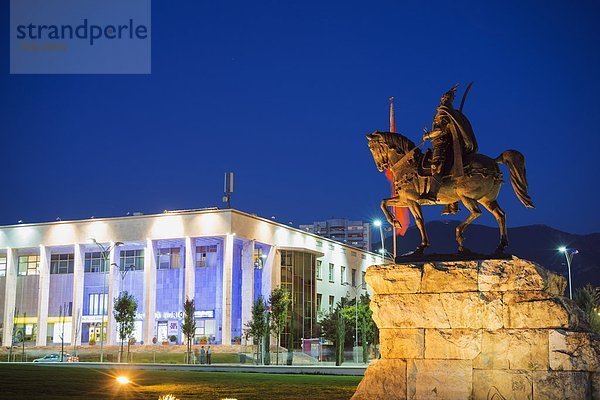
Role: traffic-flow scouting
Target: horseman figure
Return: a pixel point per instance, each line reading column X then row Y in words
column 452, row 139
column 447, row 182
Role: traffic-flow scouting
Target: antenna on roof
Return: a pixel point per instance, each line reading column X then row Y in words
column 228, row 188
column 392, row 117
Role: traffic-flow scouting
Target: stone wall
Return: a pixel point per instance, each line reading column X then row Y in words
column 489, row 329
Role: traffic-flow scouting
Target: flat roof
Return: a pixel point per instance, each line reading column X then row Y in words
column 188, row 212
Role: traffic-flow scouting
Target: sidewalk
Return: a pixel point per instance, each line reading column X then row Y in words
column 353, row 370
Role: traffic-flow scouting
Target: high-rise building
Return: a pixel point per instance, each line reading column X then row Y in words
column 352, row 233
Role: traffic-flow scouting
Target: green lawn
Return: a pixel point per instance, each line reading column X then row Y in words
column 56, row 382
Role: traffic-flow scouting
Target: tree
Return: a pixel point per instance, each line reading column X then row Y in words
column 340, row 336
column 256, row 327
column 279, row 300
column 124, row 309
column 189, row 325
column 62, row 313
column 290, row 345
column 588, row 299
column 335, row 329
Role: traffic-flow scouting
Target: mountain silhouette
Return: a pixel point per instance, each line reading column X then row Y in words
column 538, row 243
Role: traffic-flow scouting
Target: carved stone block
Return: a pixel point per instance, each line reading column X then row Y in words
column 574, row 351
column 383, row 380
column 439, row 379
column 500, row 384
column 452, row 344
column 402, row 343
column 517, row 349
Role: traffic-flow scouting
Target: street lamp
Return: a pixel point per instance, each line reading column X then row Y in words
column 569, row 253
column 377, row 224
column 356, row 289
column 384, row 253
column 105, row 252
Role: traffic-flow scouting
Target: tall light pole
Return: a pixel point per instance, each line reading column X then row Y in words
column 569, row 253
column 105, row 252
column 377, row 224
column 356, row 289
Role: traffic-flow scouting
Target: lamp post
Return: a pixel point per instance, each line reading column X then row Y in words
column 356, row 289
column 569, row 253
column 378, row 224
column 105, row 252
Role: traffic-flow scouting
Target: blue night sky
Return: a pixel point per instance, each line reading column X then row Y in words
column 282, row 94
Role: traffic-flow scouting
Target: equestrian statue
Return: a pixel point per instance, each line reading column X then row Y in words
column 452, row 172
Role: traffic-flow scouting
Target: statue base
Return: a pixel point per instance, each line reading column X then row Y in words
column 468, row 256
column 483, row 329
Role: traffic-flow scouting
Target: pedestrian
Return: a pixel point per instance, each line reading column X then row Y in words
column 208, row 355
column 202, row 353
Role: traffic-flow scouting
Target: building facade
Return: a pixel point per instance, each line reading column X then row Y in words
column 353, row 233
column 58, row 279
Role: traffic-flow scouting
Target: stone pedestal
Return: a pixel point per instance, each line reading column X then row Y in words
column 488, row 329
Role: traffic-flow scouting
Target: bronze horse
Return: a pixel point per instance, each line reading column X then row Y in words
column 480, row 184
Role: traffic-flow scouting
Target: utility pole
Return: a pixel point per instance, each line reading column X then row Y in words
column 228, row 188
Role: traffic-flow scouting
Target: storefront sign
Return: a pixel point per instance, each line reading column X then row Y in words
column 173, row 328
column 92, row 319
column 205, row 314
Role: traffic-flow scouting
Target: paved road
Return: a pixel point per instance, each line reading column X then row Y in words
column 266, row 369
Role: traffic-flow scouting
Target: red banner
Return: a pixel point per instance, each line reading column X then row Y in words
column 400, row 213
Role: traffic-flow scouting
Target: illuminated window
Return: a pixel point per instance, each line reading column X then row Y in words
column 2, row 265
column 342, row 274
column 29, row 265
column 319, row 273
column 132, row 258
column 98, row 304
column 331, row 272
column 62, row 263
column 93, row 262
column 168, row 258
column 202, row 255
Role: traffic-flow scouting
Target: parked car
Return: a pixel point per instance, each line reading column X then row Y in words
column 55, row 357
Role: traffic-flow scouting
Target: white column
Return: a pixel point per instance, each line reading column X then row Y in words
column 227, row 290
column 190, row 268
column 271, row 273
column 78, row 276
column 112, row 290
column 10, row 295
column 149, row 291
column 247, row 282
column 43, row 296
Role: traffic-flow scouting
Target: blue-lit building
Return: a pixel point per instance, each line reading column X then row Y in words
column 58, row 279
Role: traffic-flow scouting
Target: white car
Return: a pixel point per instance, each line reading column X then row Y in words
column 55, row 357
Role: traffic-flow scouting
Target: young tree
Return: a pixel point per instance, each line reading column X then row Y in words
column 267, row 339
column 340, row 335
column 290, row 344
column 62, row 312
column 338, row 327
column 189, row 325
column 257, row 326
column 279, row 300
column 588, row 299
column 124, row 309
column 368, row 329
